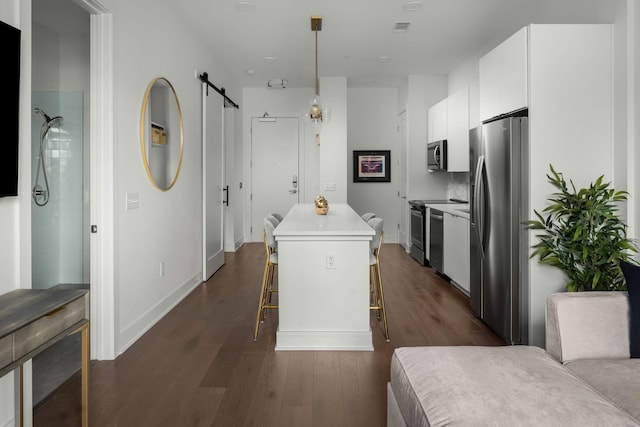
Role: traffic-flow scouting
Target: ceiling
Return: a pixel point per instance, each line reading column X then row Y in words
column 356, row 36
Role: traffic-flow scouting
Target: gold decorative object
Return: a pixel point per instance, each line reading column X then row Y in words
column 322, row 206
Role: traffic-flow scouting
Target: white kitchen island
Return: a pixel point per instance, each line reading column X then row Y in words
column 323, row 280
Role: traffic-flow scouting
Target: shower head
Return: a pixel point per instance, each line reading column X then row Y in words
column 56, row 121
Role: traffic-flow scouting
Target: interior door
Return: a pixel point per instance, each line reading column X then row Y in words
column 402, row 204
column 275, row 180
column 213, row 181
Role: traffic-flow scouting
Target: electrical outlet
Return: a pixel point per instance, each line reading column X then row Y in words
column 331, row 261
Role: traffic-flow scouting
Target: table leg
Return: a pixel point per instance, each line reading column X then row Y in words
column 85, row 375
column 21, row 396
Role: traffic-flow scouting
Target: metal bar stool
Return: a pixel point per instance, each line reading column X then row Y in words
column 375, row 277
column 266, row 289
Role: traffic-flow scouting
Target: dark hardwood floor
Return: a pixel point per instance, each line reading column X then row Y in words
column 199, row 366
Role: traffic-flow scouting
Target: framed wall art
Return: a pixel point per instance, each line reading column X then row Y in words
column 372, row 166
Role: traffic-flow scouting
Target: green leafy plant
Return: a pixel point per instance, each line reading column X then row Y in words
column 583, row 235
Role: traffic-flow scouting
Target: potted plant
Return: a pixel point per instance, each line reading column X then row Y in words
column 583, row 235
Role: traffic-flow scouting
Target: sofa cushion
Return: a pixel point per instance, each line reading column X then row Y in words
column 587, row 325
column 632, row 276
column 497, row 386
column 617, row 380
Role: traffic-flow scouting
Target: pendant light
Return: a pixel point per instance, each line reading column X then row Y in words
column 316, row 115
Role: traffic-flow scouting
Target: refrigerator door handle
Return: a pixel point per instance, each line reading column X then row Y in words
column 478, row 205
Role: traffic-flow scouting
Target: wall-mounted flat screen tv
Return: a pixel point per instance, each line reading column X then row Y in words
column 9, row 108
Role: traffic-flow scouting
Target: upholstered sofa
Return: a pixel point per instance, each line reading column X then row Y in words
column 585, row 378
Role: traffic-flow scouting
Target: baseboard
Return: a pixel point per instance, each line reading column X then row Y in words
column 147, row 320
column 323, row 340
column 239, row 243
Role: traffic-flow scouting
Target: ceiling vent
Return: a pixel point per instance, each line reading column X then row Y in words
column 401, row 27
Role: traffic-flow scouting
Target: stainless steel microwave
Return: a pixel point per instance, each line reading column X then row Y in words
column 437, row 156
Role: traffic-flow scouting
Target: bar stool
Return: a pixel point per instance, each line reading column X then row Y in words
column 367, row 216
column 266, row 289
column 277, row 216
column 375, row 277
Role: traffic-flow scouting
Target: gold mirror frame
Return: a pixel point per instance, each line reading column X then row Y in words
column 146, row 124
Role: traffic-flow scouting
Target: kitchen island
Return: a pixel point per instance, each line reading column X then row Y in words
column 323, row 280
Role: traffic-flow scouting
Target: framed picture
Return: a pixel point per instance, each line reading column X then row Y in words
column 372, row 166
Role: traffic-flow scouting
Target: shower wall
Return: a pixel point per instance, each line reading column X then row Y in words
column 60, row 230
column 57, row 227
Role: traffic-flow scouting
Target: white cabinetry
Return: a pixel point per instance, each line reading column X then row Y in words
column 437, row 121
column 503, row 77
column 563, row 75
column 456, row 250
column 449, row 119
column 458, row 131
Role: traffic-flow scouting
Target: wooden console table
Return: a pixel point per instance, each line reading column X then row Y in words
column 32, row 320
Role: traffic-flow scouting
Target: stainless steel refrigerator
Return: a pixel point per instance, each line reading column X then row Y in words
column 498, row 239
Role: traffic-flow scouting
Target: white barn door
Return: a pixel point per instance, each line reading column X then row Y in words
column 213, row 181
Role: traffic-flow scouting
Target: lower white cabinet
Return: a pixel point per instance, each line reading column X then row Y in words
column 456, row 250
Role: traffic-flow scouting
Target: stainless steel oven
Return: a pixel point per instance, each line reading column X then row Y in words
column 419, row 242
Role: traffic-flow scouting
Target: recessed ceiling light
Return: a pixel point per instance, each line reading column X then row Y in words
column 412, row 6
column 383, row 59
column 245, row 6
column 250, row 72
column 269, row 59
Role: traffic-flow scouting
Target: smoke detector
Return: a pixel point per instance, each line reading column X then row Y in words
column 277, row 83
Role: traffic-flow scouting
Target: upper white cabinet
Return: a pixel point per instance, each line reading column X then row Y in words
column 503, row 77
column 449, row 119
column 458, row 131
column 437, row 122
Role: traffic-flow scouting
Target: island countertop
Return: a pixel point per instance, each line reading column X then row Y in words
column 341, row 220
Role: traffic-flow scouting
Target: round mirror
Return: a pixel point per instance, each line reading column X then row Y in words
column 161, row 134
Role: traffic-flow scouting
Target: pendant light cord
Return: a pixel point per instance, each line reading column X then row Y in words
column 317, row 82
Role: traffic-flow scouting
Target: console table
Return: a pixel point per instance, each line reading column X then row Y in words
column 32, row 320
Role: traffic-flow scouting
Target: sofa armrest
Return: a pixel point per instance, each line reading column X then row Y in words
column 587, row 325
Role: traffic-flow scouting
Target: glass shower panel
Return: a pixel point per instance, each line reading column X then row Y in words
column 57, row 227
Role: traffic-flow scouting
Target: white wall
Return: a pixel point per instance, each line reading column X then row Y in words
column 15, row 225
column 289, row 102
column 319, row 165
column 167, row 226
column 633, row 114
column 422, row 93
column 333, row 140
column 373, row 122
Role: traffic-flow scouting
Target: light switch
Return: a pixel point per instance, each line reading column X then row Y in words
column 133, row 201
column 330, row 186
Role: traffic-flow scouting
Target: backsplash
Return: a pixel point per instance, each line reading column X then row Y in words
column 458, row 186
